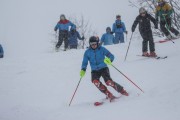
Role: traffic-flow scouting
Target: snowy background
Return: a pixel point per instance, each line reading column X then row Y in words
column 37, row 83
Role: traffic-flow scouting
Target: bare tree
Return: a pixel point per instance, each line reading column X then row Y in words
column 85, row 29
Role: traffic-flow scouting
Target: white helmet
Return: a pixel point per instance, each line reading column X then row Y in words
column 142, row 10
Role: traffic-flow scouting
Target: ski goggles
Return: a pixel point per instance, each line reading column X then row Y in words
column 93, row 43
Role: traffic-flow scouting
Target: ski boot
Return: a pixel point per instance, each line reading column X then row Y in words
column 123, row 92
column 146, row 54
column 153, row 54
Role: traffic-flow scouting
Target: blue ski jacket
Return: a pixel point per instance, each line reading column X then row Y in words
column 1, row 51
column 107, row 39
column 118, row 27
column 63, row 25
column 96, row 58
column 73, row 36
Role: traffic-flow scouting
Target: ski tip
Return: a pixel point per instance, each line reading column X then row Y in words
column 98, row 103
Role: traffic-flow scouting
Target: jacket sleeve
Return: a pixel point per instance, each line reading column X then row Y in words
column 113, row 27
column 108, row 54
column 78, row 36
column 135, row 23
column 84, row 62
column 56, row 27
column 124, row 27
column 152, row 19
column 72, row 25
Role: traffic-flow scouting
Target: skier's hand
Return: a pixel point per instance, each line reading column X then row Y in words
column 82, row 37
column 82, row 73
column 107, row 61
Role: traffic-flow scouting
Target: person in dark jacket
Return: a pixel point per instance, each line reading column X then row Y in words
column 63, row 27
column 98, row 58
column 1, row 52
column 164, row 11
column 143, row 19
column 73, row 38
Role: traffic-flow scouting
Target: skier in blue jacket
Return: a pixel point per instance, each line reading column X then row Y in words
column 1, row 52
column 119, row 28
column 63, row 27
column 107, row 38
column 73, row 38
column 98, row 58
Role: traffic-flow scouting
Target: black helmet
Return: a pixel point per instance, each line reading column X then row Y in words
column 142, row 10
column 93, row 39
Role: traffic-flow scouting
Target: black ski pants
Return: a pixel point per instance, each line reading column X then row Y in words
column 166, row 25
column 104, row 72
column 147, row 37
column 63, row 36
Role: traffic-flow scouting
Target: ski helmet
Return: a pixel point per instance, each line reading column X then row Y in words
column 62, row 17
column 93, row 40
column 142, row 10
column 161, row 2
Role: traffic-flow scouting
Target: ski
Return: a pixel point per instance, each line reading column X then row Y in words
column 99, row 103
column 165, row 40
column 157, row 57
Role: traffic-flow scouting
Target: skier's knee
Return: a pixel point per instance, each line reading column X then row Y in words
column 96, row 83
column 110, row 83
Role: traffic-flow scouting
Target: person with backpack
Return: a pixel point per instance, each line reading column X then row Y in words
column 143, row 19
column 107, row 38
column 1, row 52
column 98, row 57
column 119, row 28
column 63, row 27
column 73, row 37
column 164, row 11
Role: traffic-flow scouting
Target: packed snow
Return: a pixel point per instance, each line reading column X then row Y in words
column 37, row 83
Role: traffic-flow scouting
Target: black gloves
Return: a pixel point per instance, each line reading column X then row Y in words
column 132, row 29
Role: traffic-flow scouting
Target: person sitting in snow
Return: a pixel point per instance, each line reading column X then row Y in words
column 164, row 11
column 98, row 57
column 107, row 38
column 73, row 38
column 119, row 28
column 63, row 27
column 143, row 19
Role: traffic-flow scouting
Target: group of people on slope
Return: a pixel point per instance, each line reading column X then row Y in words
column 69, row 37
column 99, row 57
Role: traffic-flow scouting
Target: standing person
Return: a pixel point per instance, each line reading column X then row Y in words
column 63, row 27
column 164, row 11
column 73, row 36
column 143, row 19
column 97, row 57
column 107, row 38
column 119, row 28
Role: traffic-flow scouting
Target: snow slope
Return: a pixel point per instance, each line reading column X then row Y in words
column 37, row 83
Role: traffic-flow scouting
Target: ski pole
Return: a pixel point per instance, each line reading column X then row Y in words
column 167, row 27
column 128, row 46
column 127, row 78
column 75, row 91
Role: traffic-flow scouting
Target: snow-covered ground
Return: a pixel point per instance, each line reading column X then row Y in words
column 37, row 83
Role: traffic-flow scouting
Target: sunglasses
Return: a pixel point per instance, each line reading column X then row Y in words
column 93, row 43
